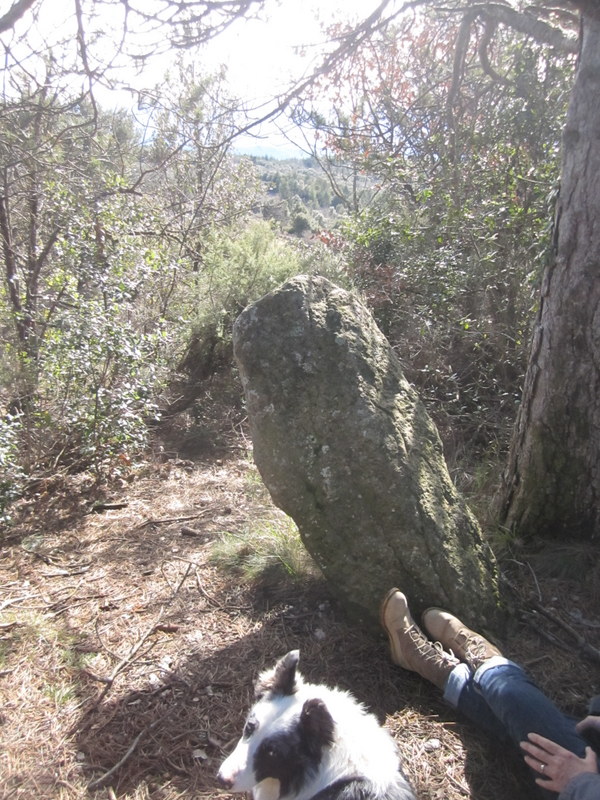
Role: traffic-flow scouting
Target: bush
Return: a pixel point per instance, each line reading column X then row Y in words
column 98, row 380
column 240, row 266
column 11, row 472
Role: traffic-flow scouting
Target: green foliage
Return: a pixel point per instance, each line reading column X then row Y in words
column 12, row 475
column 449, row 248
column 98, row 378
column 242, row 264
column 270, row 552
column 108, row 232
column 297, row 179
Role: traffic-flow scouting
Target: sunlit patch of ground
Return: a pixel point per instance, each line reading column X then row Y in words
column 127, row 658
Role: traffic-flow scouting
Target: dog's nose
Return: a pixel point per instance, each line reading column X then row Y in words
column 225, row 782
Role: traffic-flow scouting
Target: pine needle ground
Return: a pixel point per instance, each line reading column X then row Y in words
column 127, row 655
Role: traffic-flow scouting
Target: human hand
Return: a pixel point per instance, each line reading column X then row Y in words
column 589, row 728
column 589, row 723
column 556, row 764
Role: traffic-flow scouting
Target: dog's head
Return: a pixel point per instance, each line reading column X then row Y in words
column 285, row 735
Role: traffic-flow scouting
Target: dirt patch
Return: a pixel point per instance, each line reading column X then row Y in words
column 127, row 660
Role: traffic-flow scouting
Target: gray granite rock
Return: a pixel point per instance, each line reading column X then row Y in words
column 347, row 449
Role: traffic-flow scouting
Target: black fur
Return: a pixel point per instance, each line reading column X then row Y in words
column 282, row 679
column 358, row 789
column 293, row 755
column 316, row 724
column 291, row 735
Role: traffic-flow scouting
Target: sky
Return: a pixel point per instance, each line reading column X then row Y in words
column 262, row 52
column 261, row 55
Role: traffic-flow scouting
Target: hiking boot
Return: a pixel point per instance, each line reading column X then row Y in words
column 410, row 648
column 467, row 645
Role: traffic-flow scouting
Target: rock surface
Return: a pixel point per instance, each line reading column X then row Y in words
column 347, row 449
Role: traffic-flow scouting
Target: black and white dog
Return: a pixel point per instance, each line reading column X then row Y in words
column 304, row 741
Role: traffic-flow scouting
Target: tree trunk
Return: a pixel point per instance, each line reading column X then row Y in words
column 552, row 482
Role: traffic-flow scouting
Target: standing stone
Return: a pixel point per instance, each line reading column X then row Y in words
column 347, row 449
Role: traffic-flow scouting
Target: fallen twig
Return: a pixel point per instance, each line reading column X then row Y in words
column 78, row 569
column 13, row 600
column 203, row 592
column 99, row 507
column 584, row 646
column 191, row 532
column 96, row 784
column 167, row 520
column 181, row 582
column 124, row 662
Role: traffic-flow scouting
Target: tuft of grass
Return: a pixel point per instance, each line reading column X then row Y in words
column 61, row 694
column 269, row 552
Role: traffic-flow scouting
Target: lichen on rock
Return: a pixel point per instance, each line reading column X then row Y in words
column 347, row 449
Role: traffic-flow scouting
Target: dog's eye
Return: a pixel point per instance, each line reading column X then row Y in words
column 249, row 728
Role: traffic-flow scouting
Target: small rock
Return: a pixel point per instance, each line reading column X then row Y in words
column 431, row 745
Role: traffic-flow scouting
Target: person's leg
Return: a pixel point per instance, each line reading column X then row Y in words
column 460, row 693
column 411, row 650
column 490, row 690
column 495, row 693
column 510, row 695
column 522, row 707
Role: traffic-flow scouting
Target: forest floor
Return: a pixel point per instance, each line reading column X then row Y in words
column 127, row 658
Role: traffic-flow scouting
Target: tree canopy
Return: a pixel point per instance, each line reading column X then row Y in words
column 438, row 130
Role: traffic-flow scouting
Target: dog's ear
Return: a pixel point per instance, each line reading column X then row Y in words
column 282, row 679
column 317, row 725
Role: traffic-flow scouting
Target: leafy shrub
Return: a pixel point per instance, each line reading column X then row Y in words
column 11, row 472
column 240, row 266
column 98, row 379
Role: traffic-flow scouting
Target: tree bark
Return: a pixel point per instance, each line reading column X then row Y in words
column 552, row 482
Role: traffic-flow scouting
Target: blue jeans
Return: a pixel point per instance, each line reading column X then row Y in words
column 502, row 700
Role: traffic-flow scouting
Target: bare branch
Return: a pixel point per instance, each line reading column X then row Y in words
column 84, row 56
column 530, row 25
column 14, row 14
column 349, row 43
column 488, row 34
column 10, row 260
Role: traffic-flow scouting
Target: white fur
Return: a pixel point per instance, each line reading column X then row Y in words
column 361, row 747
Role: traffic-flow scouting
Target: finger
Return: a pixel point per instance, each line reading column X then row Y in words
column 535, row 751
column 591, row 759
column 550, row 784
column 588, row 723
column 536, row 765
column 547, row 744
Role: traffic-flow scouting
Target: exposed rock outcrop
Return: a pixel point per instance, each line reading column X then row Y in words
column 347, row 449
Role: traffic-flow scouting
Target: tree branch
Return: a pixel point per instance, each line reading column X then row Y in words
column 14, row 14
column 10, row 260
column 525, row 22
column 488, row 33
column 348, row 44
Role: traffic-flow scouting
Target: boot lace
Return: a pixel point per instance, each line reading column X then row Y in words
column 476, row 650
column 431, row 652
